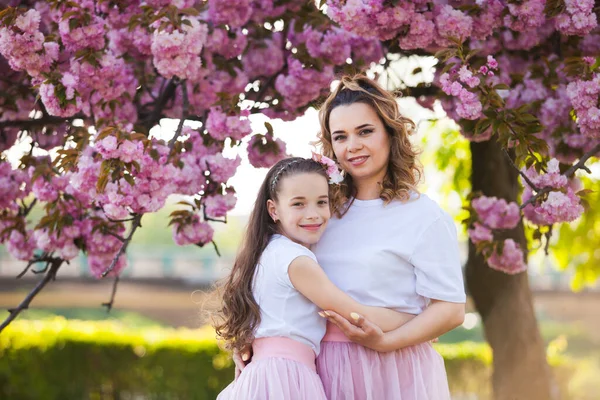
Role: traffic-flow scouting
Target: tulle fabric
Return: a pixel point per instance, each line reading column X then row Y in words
column 352, row 372
column 280, row 369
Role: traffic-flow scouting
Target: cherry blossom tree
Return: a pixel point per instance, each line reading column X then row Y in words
column 87, row 83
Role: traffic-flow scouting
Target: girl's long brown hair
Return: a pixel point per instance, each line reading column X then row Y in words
column 239, row 313
column 404, row 170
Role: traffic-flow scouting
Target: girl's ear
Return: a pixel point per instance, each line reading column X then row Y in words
column 272, row 209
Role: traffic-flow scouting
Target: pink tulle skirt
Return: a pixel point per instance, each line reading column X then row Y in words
column 352, row 372
column 281, row 368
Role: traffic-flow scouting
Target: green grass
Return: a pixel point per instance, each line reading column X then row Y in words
column 126, row 318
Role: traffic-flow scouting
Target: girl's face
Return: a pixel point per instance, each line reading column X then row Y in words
column 360, row 142
column 302, row 208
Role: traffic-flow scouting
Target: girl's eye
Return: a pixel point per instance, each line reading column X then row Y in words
column 296, row 204
column 338, row 137
column 366, row 131
column 323, row 202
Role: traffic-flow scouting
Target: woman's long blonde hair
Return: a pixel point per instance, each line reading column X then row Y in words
column 404, row 170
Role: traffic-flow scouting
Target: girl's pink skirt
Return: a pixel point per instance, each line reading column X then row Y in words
column 281, row 368
column 350, row 371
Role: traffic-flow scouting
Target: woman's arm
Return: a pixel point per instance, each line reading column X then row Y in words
column 437, row 319
column 310, row 280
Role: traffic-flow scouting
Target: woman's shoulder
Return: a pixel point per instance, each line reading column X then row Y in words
column 421, row 204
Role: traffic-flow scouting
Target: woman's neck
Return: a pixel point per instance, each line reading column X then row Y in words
column 368, row 190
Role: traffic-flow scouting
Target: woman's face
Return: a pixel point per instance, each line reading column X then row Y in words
column 360, row 142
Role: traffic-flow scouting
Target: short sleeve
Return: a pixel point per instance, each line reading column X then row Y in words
column 287, row 252
column 437, row 262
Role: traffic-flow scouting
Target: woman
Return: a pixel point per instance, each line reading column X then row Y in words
column 390, row 247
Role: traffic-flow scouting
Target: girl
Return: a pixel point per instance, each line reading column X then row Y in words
column 388, row 246
column 276, row 288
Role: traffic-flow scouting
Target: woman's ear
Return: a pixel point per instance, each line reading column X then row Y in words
column 272, row 209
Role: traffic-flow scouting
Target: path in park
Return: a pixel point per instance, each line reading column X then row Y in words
column 178, row 304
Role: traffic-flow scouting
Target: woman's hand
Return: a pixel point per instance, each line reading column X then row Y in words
column 359, row 330
column 362, row 331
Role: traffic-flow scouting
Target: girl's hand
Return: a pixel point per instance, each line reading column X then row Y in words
column 239, row 363
column 359, row 330
column 241, row 359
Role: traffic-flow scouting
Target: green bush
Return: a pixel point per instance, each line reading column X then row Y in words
column 69, row 359
column 62, row 359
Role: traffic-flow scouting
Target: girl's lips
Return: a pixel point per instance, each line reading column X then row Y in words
column 314, row 227
column 356, row 161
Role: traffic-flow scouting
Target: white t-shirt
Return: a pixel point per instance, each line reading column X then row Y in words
column 398, row 255
column 284, row 311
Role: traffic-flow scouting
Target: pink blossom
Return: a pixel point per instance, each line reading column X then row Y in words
column 217, row 206
column 491, row 62
column 578, row 19
column 302, row 85
column 229, row 44
column 48, row 93
column 20, row 246
column 264, row 151
column 221, row 126
column 496, row 213
column 452, row 23
column 552, row 178
column 526, row 15
column 466, row 76
column 557, row 207
column 196, row 232
column 480, row 234
column 177, row 53
column 82, row 36
column 27, row 50
column 371, row 18
column 221, row 168
column 333, row 171
column 234, row 13
column 584, row 96
column 264, row 57
column 14, row 185
column 510, row 261
column 332, row 45
column 420, row 35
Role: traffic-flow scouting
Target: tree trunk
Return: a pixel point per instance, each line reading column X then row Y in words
column 505, row 301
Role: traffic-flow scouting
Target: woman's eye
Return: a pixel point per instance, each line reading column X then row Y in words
column 296, row 204
column 366, row 131
column 337, row 138
column 323, row 202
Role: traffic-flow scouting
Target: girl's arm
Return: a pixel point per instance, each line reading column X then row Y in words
column 310, row 280
column 437, row 319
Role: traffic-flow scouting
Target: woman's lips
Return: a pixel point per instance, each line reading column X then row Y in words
column 356, row 161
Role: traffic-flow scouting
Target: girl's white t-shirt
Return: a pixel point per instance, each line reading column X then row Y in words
column 398, row 255
column 284, row 311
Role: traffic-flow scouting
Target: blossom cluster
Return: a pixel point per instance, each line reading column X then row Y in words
column 561, row 204
column 264, row 151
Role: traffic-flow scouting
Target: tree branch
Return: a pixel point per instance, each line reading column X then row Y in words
column 32, row 123
column 529, row 182
column 148, row 121
column 184, row 113
column 43, row 258
column 568, row 173
column 50, row 275
column 136, row 223
column 110, row 303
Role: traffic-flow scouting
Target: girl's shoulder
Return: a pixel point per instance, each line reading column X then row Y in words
column 280, row 245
